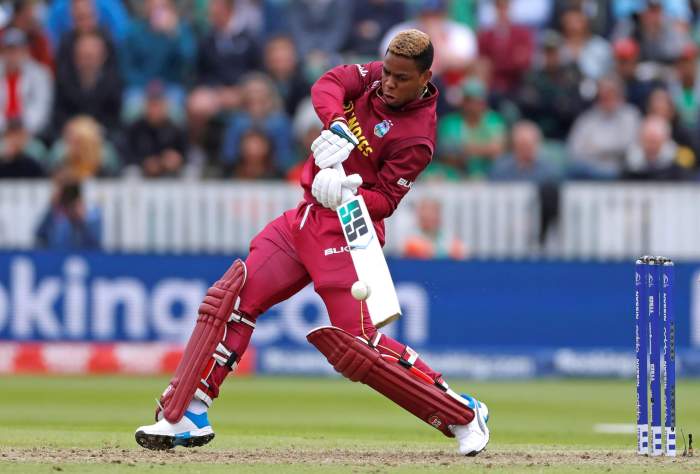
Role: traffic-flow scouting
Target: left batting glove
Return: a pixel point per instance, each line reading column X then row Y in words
column 328, row 187
column 334, row 145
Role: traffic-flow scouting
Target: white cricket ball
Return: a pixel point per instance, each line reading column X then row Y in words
column 360, row 291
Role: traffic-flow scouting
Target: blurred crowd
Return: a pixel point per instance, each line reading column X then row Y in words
column 531, row 90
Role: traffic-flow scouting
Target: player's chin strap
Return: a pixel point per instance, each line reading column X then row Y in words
column 395, row 378
column 205, row 348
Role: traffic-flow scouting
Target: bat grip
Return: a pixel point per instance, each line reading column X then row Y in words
column 346, row 193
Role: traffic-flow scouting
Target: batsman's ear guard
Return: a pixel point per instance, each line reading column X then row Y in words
column 215, row 311
column 359, row 362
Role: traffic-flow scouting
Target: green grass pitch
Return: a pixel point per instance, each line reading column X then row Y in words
column 281, row 425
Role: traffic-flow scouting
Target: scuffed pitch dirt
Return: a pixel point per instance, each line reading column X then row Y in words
column 357, row 457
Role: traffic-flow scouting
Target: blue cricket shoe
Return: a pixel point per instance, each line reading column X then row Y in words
column 473, row 437
column 191, row 431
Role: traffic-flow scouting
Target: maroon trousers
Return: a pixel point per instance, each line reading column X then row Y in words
column 288, row 254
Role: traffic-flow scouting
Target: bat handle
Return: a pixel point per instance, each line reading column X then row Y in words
column 346, row 193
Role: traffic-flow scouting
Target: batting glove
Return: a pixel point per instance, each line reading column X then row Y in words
column 328, row 187
column 334, row 145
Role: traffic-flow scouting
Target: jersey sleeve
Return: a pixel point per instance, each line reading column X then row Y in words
column 395, row 179
column 340, row 85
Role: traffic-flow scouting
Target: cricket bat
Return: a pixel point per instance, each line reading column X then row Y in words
column 368, row 257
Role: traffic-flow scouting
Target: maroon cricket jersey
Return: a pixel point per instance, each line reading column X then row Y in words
column 396, row 144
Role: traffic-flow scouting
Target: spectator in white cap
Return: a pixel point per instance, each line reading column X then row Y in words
column 25, row 85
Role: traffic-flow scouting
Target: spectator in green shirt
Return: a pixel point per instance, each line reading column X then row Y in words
column 474, row 137
column 684, row 86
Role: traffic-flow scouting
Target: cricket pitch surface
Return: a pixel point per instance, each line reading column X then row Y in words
column 287, row 425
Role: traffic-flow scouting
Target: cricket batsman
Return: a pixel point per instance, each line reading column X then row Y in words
column 380, row 124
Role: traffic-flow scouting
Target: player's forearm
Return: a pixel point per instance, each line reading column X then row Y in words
column 339, row 85
column 327, row 98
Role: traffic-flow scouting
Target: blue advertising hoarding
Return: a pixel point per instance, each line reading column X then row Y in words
column 477, row 319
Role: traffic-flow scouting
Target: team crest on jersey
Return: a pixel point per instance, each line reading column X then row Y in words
column 383, row 127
